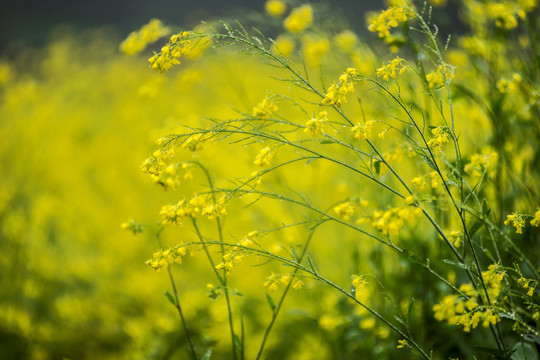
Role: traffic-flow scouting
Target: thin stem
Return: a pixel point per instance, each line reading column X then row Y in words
column 279, row 305
column 223, row 278
column 179, row 308
column 177, row 304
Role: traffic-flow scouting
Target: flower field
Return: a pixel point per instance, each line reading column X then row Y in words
column 278, row 187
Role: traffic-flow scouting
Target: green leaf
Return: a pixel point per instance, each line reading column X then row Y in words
column 293, row 254
column 400, row 320
column 170, row 298
column 377, row 167
column 477, row 225
column 457, row 264
column 310, row 262
column 207, row 355
column 498, row 354
column 524, row 351
column 486, row 210
column 427, row 160
column 238, row 343
column 270, row 302
column 409, row 309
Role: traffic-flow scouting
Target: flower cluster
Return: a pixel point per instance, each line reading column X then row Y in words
column 195, row 142
column 508, row 86
column 389, row 70
column 179, row 45
column 299, row 19
column 199, row 205
column 213, row 291
column 163, row 258
column 314, row 126
column 236, row 254
column 465, row 310
column 263, row 157
column 283, row 45
column 456, row 237
column 363, row 131
column 346, row 41
column 391, row 221
column 344, row 210
column 160, row 172
column 436, row 79
column 132, row 226
column 275, row 8
column 273, row 281
column 314, row 48
column 504, row 14
column 516, row 221
column 265, row 107
column 434, row 177
column 138, row 40
column 536, row 219
column 387, row 19
column 337, row 92
column 484, row 163
column 527, row 284
column 440, row 137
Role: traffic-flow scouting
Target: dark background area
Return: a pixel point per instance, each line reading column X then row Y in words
column 30, row 22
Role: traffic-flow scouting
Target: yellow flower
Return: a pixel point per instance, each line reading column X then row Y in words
column 508, row 86
column 358, row 282
column 178, row 45
column 336, row 94
column 437, row 78
column 283, row 45
column 486, row 162
column 275, row 8
column 214, row 210
column 297, row 284
column 272, row 282
column 138, row 40
column 387, row 19
column 132, row 226
column 516, row 220
column 346, row 41
column 363, row 131
column 456, row 237
column 419, row 182
column 314, row 126
column 314, row 49
column 440, row 137
column 536, row 220
column 344, row 210
column 402, row 344
column 299, row 19
column 263, row 157
column 265, row 107
column 389, row 70
column 162, row 259
column 503, row 14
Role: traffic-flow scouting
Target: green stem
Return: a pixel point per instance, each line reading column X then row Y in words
column 279, row 305
column 178, row 306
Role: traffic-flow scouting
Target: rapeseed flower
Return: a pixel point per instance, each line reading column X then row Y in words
column 138, row 40
column 299, row 19
column 275, row 8
column 516, row 221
